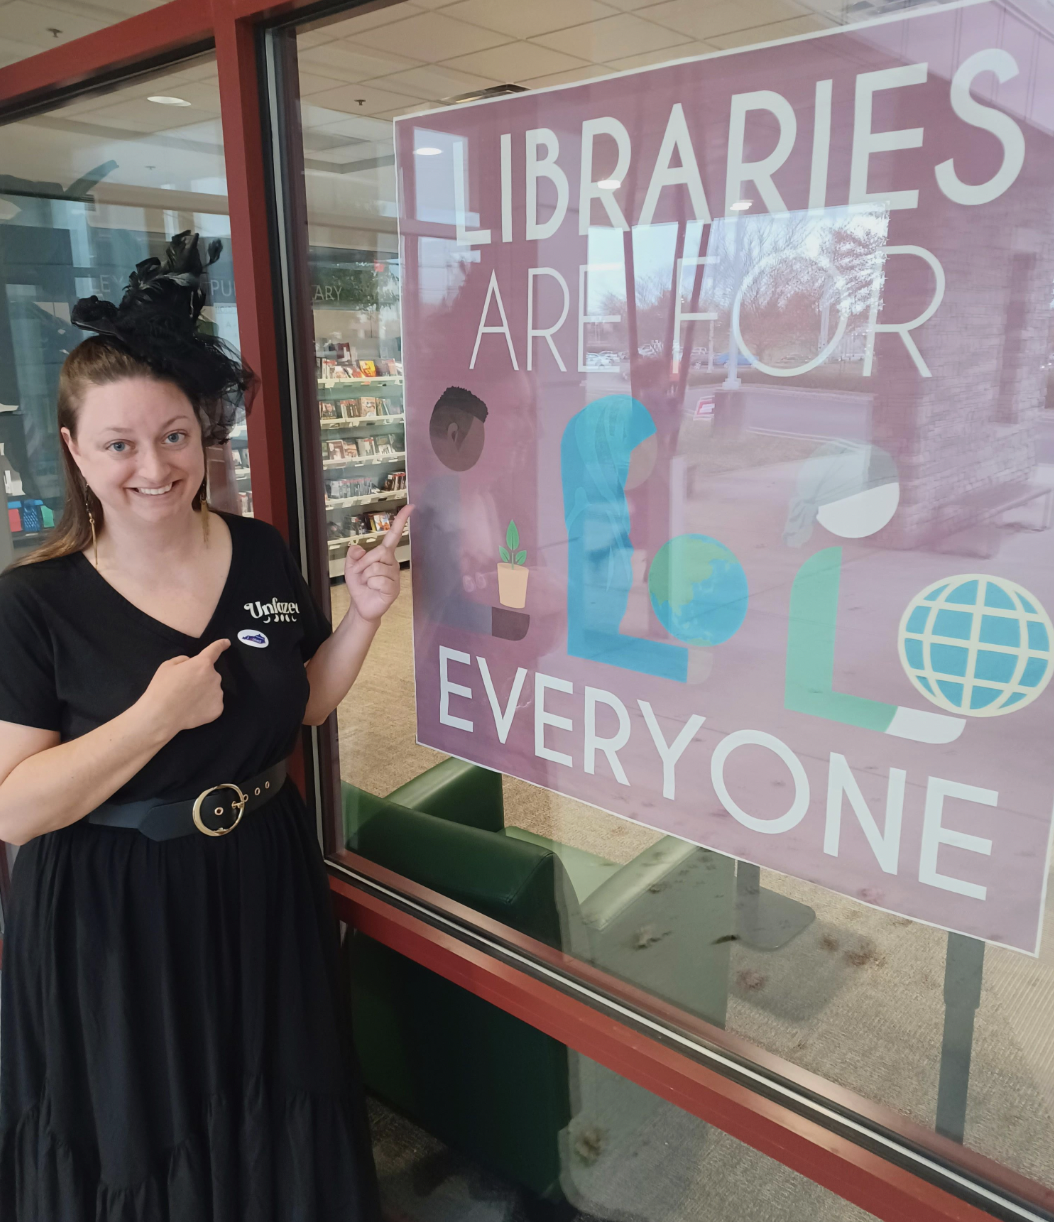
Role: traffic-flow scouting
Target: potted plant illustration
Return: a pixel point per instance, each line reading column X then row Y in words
column 512, row 571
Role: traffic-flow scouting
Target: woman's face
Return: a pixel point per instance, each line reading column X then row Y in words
column 138, row 446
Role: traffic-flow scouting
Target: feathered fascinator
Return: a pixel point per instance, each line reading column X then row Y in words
column 157, row 322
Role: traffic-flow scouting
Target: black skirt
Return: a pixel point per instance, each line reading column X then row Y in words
column 174, row 1038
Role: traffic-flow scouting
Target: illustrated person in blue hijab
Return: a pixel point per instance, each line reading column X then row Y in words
column 595, row 455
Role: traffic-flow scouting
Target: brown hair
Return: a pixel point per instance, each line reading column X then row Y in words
column 94, row 362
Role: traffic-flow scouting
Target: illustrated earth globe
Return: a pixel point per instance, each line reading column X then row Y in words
column 698, row 589
column 977, row 645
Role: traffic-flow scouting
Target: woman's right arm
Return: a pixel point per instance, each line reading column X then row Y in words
column 46, row 784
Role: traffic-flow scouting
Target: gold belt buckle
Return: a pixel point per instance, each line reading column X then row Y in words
column 238, row 804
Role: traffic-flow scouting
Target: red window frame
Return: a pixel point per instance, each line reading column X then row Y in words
column 850, row 1170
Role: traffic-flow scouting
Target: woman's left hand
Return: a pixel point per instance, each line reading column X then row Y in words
column 372, row 577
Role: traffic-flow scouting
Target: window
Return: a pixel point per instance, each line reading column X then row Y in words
column 29, row 29
column 88, row 190
column 806, row 414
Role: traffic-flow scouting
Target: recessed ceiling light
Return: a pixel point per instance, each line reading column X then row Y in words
column 428, row 152
column 610, row 184
column 741, row 205
column 162, row 100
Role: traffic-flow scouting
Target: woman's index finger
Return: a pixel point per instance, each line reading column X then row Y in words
column 394, row 535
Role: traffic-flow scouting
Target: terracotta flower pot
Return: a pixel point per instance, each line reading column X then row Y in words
column 512, row 584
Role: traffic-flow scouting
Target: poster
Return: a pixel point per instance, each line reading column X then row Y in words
column 811, row 627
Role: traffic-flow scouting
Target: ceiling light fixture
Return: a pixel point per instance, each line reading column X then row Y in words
column 162, row 100
column 610, row 184
column 741, row 205
column 428, row 152
column 478, row 95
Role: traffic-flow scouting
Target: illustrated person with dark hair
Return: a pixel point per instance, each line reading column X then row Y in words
column 456, row 428
column 174, row 1044
column 456, row 431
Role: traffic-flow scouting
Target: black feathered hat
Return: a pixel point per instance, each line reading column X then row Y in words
column 157, row 322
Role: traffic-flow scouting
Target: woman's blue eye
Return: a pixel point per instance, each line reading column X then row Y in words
column 177, row 436
column 118, row 447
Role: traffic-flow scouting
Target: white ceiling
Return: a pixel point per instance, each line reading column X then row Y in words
column 357, row 74
column 168, row 150
column 28, row 26
column 416, row 53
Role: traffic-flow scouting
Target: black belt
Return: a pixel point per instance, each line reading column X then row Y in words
column 206, row 813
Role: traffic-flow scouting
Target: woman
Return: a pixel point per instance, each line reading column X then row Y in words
column 173, row 1043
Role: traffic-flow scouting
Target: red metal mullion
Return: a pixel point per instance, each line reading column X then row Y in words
column 164, row 30
column 255, row 286
column 254, row 283
column 869, row 1181
column 262, row 10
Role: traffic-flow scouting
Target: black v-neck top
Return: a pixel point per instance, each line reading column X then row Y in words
column 74, row 653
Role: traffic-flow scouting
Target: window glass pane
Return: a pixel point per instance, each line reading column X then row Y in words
column 548, row 1133
column 766, row 425
column 88, row 191
column 27, row 29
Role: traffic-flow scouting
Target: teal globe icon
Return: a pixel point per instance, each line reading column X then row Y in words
column 977, row 645
column 698, row 589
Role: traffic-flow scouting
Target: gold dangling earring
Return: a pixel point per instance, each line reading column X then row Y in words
column 203, row 501
column 91, row 523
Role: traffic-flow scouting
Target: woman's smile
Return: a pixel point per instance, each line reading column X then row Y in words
column 162, row 490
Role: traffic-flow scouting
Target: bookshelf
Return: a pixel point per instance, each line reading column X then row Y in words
column 374, row 468
column 363, row 461
column 239, row 440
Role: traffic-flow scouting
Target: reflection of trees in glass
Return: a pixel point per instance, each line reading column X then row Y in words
column 790, row 305
column 653, row 314
column 361, row 286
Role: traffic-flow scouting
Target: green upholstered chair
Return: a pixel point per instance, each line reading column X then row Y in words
column 481, row 1080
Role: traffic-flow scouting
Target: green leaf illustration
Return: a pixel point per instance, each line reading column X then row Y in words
column 504, row 553
column 512, row 537
column 520, row 558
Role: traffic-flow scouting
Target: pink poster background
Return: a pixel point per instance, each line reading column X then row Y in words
column 965, row 441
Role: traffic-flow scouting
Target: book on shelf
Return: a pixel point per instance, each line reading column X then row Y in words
column 349, row 408
column 335, row 450
column 395, row 481
column 335, row 367
column 367, row 447
column 345, row 489
column 367, row 406
column 329, row 409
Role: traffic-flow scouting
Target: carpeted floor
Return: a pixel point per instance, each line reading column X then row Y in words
column 857, row 997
